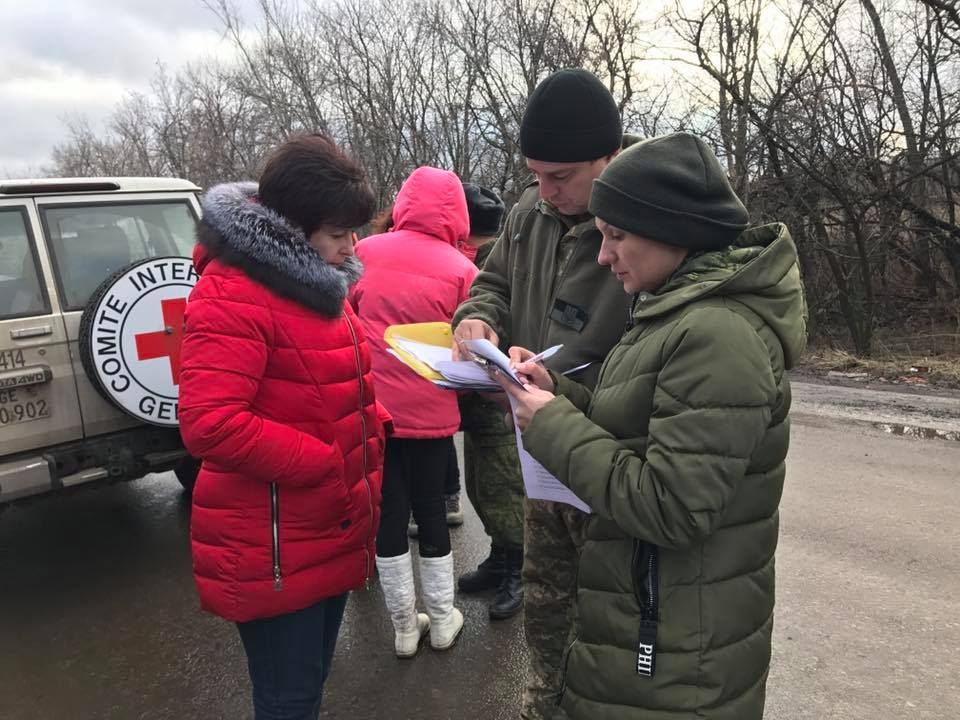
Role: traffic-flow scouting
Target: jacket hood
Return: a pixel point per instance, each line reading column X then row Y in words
column 760, row 270
column 243, row 233
column 431, row 202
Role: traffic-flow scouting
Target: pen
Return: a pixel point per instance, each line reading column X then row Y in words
column 545, row 354
column 576, row 369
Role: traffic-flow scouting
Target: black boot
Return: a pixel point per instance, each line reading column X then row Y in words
column 509, row 598
column 487, row 575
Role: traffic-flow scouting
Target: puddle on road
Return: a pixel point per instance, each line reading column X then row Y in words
column 915, row 431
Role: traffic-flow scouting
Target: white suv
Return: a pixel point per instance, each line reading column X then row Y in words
column 90, row 325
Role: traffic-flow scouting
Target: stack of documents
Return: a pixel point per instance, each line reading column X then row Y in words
column 426, row 348
column 486, row 359
column 420, row 346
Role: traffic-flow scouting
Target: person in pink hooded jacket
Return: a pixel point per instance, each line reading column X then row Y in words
column 413, row 274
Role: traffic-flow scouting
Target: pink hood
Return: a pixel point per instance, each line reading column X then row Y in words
column 431, row 201
column 415, row 274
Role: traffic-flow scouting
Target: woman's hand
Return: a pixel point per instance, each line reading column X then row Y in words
column 532, row 373
column 529, row 399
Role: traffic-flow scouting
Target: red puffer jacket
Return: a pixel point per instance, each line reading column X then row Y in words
column 276, row 398
column 415, row 274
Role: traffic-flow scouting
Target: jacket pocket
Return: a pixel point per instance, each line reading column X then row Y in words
column 322, row 509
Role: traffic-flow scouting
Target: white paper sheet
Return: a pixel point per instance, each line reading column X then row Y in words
column 428, row 354
column 487, row 350
column 538, row 482
column 467, row 372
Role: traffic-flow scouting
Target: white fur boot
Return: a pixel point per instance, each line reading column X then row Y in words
column 446, row 622
column 396, row 579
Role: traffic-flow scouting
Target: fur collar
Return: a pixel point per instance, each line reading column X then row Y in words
column 241, row 232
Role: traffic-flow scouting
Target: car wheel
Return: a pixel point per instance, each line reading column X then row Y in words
column 129, row 337
column 186, row 472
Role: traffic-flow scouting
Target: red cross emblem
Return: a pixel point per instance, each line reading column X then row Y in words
column 166, row 342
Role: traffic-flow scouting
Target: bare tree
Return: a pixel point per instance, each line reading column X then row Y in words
column 839, row 117
column 845, row 115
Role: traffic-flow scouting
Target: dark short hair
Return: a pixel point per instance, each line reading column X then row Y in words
column 382, row 221
column 312, row 182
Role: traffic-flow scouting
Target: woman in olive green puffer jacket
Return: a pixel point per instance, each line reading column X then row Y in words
column 680, row 449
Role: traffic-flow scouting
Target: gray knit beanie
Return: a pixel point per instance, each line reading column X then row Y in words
column 671, row 189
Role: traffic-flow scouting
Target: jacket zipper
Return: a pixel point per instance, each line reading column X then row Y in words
column 564, row 664
column 648, row 598
column 363, row 444
column 653, row 582
column 275, row 537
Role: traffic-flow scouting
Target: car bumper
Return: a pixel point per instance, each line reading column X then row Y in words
column 124, row 456
column 24, row 477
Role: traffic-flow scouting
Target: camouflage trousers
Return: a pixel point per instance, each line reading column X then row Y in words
column 494, row 484
column 553, row 537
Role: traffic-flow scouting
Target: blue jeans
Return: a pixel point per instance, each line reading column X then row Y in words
column 289, row 659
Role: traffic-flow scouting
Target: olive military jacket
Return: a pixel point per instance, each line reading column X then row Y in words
column 542, row 286
column 477, row 413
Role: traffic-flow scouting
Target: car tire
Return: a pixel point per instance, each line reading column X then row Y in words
column 87, row 339
column 186, row 472
column 85, row 344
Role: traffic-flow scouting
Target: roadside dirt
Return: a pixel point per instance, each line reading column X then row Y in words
column 907, row 373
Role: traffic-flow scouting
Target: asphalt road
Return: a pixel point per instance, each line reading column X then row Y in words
column 98, row 616
column 920, row 413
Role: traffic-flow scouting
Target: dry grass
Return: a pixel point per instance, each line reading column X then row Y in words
column 905, row 368
column 914, row 353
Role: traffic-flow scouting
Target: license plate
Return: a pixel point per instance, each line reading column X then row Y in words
column 20, row 405
column 11, row 359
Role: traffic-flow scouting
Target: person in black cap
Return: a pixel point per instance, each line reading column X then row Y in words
column 486, row 213
column 680, row 448
column 541, row 286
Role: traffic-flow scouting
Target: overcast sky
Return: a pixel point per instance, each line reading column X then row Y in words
column 62, row 57
column 80, row 57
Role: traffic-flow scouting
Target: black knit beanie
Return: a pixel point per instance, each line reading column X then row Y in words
column 570, row 117
column 485, row 209
column 672, row 189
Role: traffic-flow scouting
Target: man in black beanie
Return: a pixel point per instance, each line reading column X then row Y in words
column 541, row 286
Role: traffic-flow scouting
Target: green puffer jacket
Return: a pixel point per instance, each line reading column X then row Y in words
column 680, row 452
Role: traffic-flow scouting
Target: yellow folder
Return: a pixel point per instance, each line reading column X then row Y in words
column 431, row 333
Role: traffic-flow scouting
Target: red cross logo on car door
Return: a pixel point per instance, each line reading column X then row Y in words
column 165, row 343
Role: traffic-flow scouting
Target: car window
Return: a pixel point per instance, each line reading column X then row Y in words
column 20, row 291
column 91, row 242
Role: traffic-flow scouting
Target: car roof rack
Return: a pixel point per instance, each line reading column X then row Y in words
column 60, row 186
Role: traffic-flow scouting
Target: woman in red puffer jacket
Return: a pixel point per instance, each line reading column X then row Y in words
column 276, row 399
